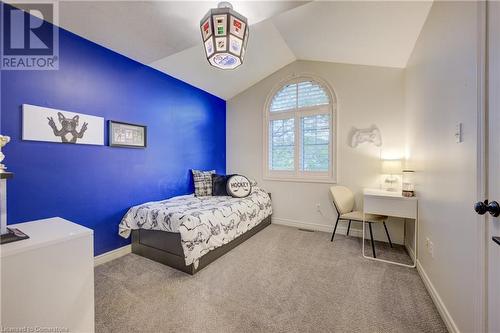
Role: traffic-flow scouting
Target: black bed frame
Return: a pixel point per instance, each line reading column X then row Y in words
column 166, row 248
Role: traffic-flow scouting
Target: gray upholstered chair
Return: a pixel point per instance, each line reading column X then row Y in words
column 343, row 200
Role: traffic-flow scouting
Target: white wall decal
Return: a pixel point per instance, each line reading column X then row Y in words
column 371, row 134
column 51, row 125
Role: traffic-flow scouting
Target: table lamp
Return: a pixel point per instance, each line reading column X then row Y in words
column 391, row 168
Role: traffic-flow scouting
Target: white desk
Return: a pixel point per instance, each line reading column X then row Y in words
column 387, row 203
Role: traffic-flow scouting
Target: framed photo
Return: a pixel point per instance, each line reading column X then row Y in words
column 52, row 125
column 127, row 135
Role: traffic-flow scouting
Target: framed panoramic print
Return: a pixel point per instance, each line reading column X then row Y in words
column 52, row 125
column 127, row 135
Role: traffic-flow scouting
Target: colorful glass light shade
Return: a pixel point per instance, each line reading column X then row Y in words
column 225, row 36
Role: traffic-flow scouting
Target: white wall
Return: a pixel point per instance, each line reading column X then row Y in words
column 441, row 91
column 366, row 95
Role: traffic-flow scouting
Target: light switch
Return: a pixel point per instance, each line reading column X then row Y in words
column 458, row 133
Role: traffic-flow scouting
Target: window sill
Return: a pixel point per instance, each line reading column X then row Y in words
column 301, row 180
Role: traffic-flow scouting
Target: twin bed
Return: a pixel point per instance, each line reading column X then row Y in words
column 189, row 232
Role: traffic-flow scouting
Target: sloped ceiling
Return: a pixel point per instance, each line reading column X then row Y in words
column 150, row 30
column 191, row 65
column 165, row 35
column 378, row 33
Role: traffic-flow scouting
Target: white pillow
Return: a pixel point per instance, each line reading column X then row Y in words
column 239, row 186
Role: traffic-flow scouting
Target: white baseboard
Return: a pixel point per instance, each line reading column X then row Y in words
column 443, row 311
column 111, row 255
column 341, row 229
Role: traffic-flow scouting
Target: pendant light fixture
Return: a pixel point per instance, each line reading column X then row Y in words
column 225, row 35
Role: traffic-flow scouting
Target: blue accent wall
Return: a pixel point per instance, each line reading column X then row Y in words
column 95, row 185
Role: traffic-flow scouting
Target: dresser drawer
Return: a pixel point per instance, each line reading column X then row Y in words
column 397, row 207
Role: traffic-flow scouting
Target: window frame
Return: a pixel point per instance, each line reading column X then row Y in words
column 331, row 109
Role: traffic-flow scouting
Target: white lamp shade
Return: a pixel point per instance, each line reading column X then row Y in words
column 391, row 167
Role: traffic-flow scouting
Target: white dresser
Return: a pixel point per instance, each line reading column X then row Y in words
column 47, row 281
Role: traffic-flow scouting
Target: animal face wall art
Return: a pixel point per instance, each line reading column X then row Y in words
column 68, row 132
column 51, row 125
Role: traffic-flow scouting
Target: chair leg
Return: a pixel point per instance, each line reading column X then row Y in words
column 349, row 228
column 335, row 229
column 371, row 236
column 387, row 232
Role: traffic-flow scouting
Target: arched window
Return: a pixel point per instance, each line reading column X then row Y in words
column 300, row 135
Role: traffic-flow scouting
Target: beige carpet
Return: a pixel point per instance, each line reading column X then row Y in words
column 280, row 280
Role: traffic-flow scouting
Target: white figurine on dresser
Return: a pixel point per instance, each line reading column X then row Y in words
column 7, row 235
column 47, row 281
column 4, row 140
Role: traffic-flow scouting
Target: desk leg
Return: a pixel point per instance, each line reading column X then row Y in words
column 404, row 233
column 389, row 261
column 363, row 241
column 416, row 239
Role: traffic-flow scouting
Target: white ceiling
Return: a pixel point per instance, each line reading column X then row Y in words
column 191, row 65
column 379, row 33
column 150, row 30
column 165, row 35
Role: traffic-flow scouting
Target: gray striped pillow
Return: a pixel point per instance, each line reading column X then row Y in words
column 202, row 183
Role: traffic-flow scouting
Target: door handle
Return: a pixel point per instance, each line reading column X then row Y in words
column 482, row 207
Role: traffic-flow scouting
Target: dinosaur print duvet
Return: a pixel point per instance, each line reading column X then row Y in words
column 204, row 223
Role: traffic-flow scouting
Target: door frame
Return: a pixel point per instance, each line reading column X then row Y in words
column 481, row 272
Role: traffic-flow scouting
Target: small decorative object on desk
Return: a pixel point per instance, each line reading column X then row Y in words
column 408, row 183
column 127, row 135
